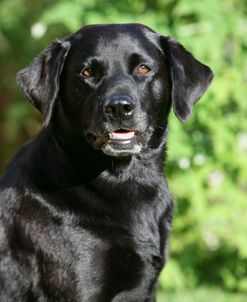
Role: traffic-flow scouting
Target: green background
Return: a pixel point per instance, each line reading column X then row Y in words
column 207, row 157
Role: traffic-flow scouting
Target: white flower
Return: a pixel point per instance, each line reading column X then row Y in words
column 184, row 163
column 215, row 178
column 199, row 159
column 242, row 141
column 38, row 30
column 211, row 240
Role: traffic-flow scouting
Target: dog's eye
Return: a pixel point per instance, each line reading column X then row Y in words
column 143, row 69
column 87, row 72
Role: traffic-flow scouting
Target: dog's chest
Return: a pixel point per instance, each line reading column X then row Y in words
column 91, row 256
column 105, row 260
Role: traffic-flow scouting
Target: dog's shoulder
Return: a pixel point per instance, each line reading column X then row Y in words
column 24, row 168
column 18, row 169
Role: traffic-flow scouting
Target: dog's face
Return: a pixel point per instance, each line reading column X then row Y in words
column 113, row 85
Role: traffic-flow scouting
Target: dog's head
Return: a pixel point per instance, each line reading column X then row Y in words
column 112, row 86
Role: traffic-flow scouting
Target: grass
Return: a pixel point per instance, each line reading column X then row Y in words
column 201, row 295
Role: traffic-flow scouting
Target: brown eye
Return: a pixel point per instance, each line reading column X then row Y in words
column 142, row 69
column 87, row 72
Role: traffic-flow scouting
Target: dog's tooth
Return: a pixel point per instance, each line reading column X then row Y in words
column 121, row 135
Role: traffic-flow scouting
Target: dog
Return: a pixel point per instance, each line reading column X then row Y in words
column 85, row 208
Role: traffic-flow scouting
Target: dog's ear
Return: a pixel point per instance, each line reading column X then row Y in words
column 189, row 78
column 39, row 81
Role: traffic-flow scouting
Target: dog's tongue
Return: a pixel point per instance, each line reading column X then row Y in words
column 122, row 134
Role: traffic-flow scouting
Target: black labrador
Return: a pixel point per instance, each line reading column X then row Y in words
column 85, row 207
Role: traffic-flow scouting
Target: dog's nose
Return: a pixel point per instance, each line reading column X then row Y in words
column 119, row 107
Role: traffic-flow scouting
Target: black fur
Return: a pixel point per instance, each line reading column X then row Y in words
column 85, row 217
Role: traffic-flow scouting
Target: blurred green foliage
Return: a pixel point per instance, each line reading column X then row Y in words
column 207, row 162
column 200, row 295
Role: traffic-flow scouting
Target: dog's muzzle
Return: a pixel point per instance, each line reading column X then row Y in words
column 124, row 138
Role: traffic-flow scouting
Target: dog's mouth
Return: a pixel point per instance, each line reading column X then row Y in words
column 121, row 135
column 120, row 142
